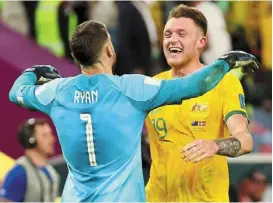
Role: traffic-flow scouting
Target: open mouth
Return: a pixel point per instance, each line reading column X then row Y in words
column 175, row 50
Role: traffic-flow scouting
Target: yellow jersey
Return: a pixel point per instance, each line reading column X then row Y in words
column 172, row 179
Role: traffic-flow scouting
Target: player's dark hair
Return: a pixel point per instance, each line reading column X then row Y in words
column 87, row 41
column 26, row 132
column 183, row 11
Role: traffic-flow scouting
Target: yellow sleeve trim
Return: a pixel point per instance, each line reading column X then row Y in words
column 235, row 112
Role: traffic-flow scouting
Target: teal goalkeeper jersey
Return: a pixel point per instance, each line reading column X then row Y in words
column 99, row 120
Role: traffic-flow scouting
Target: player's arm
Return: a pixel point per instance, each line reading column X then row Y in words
column 176, row 90
column 235, row 116
column 147, row 93
column 26, row 93
column 240, row 140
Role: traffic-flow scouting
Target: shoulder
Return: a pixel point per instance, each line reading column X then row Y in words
column 230, row 79
column 18, row 169
column 61, row 82
column 163, row 75
column 49, row 86
column 127, row 79
column 47, row 92
column 17, row 172
column 113, row 80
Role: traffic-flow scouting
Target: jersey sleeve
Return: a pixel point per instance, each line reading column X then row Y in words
column 139, row 89
column 234, row 99
column 14, row 185
column 37, row 97
column 147, row 93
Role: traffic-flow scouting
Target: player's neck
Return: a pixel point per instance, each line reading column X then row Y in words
column 37, row 158
column 186, row 69
column 98, row 68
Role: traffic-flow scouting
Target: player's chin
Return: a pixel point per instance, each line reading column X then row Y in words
column 175, row 62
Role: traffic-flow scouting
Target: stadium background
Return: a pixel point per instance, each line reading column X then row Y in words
column 37, row 33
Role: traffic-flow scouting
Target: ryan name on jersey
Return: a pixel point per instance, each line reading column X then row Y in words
column 86, row 97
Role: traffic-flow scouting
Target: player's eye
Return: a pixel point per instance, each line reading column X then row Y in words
column 182, row 34
column 168, row 34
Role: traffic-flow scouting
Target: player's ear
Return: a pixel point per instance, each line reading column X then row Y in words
column 202, row 42
column 72, row 55
column 109, row 51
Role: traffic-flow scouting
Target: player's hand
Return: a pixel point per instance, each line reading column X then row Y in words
column 240, row 59
column 44, row 73
column 199, row 150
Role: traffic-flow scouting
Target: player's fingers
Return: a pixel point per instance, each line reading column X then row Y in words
column 202, row 157
column 195, row 155
column 191, row 151
column 186, row 154
column 190, row 145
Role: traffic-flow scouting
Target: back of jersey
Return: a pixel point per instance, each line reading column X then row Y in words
column 99, row 130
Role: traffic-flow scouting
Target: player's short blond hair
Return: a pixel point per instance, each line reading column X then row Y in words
column 183, row 11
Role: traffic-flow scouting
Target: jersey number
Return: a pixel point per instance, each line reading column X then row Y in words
column 89, row 136
column 161, row 127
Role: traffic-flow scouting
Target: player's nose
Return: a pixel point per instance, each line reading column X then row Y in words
column 174, row 38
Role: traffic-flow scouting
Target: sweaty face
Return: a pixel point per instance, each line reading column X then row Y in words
column 45, row 139
column 182, row 41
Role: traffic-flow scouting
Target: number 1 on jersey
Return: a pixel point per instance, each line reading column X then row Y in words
column 89, row 136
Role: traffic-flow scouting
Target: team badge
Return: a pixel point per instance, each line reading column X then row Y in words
column 199, row 108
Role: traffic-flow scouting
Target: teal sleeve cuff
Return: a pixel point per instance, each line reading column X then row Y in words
column 27, row 78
